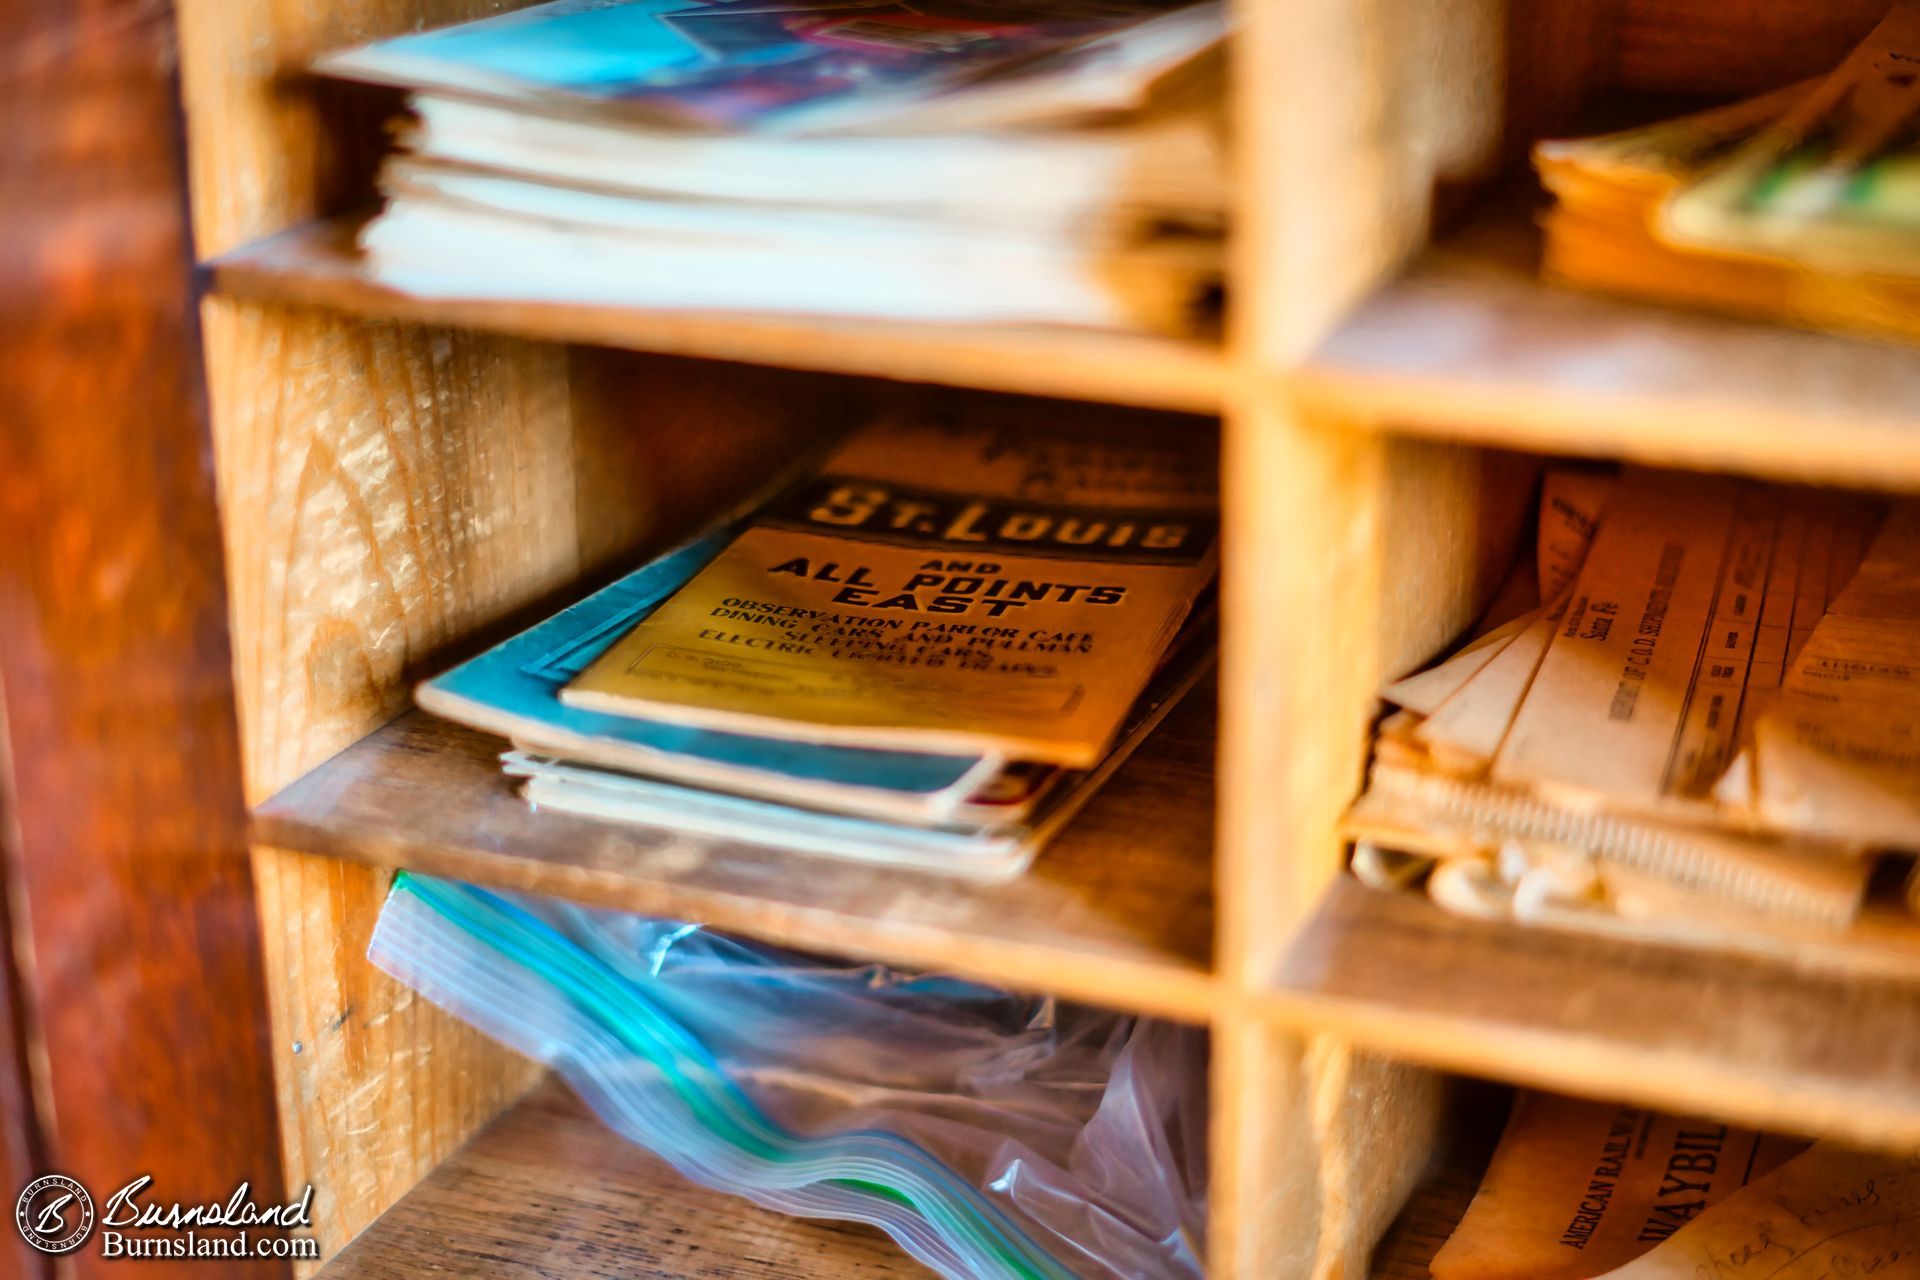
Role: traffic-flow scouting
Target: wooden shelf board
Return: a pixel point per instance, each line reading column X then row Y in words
column 1117, row 911
column 546, row 1192
column 1470, row 345
column 318, row 265
column 1758, row 1041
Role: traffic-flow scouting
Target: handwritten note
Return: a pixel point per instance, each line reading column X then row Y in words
column 1830, row 1214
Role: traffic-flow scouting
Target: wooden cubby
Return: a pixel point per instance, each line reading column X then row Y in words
column 401, row 480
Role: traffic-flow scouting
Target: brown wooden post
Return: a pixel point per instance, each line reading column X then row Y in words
column 139, row 962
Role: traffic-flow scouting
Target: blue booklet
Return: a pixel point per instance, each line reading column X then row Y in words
column 1034, row 802
column 514, row 690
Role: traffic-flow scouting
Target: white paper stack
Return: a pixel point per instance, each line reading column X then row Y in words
column 965, row 162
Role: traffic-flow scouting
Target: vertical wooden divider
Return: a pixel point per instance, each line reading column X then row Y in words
column 388, row 490
column 384, row 489
column 1348, row 556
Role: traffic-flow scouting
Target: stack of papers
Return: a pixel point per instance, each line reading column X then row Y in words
column 962, row 161
column 1701, row 726
column 1801, row 206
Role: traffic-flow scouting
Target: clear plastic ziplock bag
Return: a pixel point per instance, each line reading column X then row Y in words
column 990, row 1135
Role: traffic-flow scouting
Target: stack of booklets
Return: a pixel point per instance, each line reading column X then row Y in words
column 1801, row 206
column 1053, row 162
column 1703, row 727
column 929, row 650
column 1578, row 1190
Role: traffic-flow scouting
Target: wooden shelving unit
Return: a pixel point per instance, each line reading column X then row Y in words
column 400, row 478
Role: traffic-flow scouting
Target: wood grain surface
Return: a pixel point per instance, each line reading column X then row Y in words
column 1117, row 911
column 271, row 144
column 546, row 1192
column 385, row 490
column 1562, row 54
column 1763, row 1042
column 1347, row 557
column 318, row 265
column 1469, row 345
column 663, row 446
column 390, row 491
column 132, row 906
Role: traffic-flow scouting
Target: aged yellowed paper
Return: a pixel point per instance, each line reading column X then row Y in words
column 1577, row 1188
column 1606, row 711
column 1825, row 1215
column 938, row 586
column 1837, row 749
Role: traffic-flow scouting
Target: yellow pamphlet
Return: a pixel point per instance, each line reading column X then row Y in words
column 994, row 587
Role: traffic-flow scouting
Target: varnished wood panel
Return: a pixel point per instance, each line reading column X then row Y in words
column 21, row 1153
column 1471, row 346
column 1762, row 1042
column 547, row 1193
column 318, row 265
column 132, row 907
column 1732, row 48
column 1117, row 911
